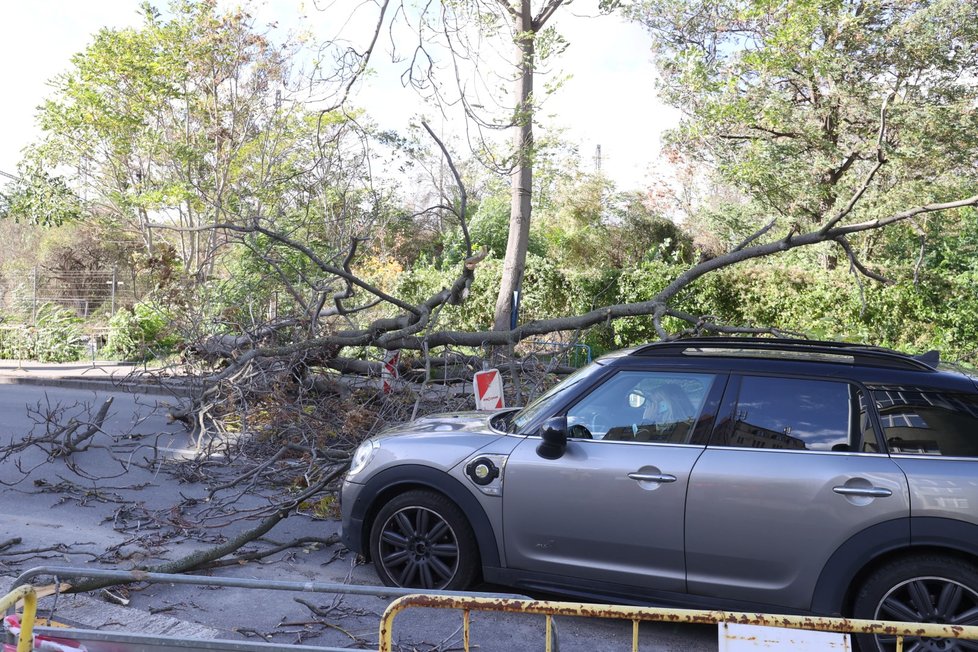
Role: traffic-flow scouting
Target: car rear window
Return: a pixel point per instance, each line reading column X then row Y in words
column 921, row 422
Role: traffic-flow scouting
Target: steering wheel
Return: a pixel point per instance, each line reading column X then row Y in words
column 597, row 422
column 579, row 431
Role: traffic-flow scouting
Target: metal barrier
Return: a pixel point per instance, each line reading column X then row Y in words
column 550, row 609
column 146, row 643
column 25, row 641
column 128, row 577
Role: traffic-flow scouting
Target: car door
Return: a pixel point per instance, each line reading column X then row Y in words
column 930, row 434
column 610, row 508
column 792, row 471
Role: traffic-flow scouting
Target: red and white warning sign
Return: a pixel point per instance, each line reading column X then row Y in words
column 389, row 373
column 488, row 386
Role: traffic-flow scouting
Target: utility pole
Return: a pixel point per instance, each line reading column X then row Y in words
column 597, row 159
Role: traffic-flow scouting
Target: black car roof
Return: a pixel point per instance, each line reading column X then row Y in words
column 870, row 364
column 814, row 350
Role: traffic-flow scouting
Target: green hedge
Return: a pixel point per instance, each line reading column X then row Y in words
column 938, row 312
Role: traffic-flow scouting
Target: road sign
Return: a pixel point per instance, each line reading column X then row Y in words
column 389, row 373
column 488, row 387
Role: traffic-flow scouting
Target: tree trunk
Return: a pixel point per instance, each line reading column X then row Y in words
column 522, row 176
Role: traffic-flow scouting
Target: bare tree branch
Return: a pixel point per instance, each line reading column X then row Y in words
column 363, row 61
column 757, row 234
column 463, row 198
column 880, row 161
column 856, row 265
column 540, row 20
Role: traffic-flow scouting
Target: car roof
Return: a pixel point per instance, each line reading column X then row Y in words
column 869, row 364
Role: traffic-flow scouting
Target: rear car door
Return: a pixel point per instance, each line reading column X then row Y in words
column 932, row 434
column 611, row 509
column 793, row 470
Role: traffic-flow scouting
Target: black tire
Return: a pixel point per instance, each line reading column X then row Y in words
column 422, row 540
column 924, row 589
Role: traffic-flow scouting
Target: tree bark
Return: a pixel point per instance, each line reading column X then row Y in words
column 522, row 175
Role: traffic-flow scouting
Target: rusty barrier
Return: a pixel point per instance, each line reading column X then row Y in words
column 25, row 639
column 897, row 630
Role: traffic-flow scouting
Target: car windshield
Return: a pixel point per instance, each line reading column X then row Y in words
column 544, row 403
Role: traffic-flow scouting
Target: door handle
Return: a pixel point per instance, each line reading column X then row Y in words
column 661, row 478
column 871, row 492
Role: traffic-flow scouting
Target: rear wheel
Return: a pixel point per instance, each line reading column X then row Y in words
column 422, row 540
column 920, row 589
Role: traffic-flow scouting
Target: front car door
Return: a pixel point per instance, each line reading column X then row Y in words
column 793, row 471
column 611, row 508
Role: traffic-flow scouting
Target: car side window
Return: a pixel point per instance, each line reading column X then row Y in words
column 917, row 422
column 799, row 414
column 641, row 406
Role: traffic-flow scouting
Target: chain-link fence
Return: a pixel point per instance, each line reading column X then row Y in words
column 89, row 293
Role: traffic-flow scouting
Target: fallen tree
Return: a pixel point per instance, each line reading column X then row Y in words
column 287, row 398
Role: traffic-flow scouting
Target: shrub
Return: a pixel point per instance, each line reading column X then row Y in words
column 142, row 332
column 55, row 337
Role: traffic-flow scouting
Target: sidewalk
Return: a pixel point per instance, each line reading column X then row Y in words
column 97, row 375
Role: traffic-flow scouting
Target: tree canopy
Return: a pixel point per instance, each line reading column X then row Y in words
column 822, row 122
column 193, row 119
column 820, row 109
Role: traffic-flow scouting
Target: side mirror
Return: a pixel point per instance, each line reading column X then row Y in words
column 554, row 434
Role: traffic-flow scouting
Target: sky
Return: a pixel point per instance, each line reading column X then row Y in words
column 609, row 101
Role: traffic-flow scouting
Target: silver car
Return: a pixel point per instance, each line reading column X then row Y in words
column 776, row 476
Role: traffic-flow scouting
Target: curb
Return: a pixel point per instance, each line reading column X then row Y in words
column 98, row 385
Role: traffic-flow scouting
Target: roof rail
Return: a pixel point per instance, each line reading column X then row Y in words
column 814, row 350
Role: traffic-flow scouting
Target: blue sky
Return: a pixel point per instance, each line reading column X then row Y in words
column 609, row 100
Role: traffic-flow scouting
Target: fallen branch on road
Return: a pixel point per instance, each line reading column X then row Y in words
column 262, row 554
column 201, row 558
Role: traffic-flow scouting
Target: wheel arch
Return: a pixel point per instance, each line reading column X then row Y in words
column 397, row 480
column 864, row 553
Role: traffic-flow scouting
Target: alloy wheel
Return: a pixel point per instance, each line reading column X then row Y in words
column 418, row 548
column 929, row 600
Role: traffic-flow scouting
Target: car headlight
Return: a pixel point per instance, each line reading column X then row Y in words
column 362, row 456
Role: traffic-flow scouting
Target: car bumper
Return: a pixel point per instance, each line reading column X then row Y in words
column 351, row 532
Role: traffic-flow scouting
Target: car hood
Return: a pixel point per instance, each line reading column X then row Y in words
column 438, row 440
column 450, row 422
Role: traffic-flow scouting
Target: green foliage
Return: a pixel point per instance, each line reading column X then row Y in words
column 938, row 312
column 637, row 234
column 182, row 120
column 55, row 337
column 787, row 97
column 39, row 198
column 142, row 332
column 489, row 228
column 935, row 313
column 545, row 292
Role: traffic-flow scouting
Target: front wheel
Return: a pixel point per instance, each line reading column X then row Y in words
column 422, row 540
column 920, row 589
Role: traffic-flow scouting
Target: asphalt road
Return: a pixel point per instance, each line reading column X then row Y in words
column 112, row 507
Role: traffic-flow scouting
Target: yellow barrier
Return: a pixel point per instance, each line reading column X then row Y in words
column 26, row 593
column 640, row 614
